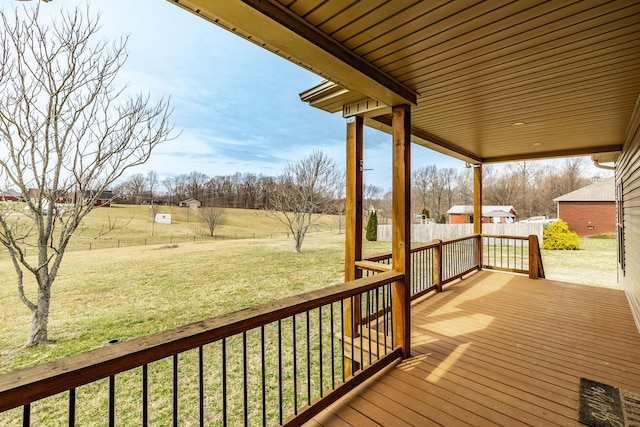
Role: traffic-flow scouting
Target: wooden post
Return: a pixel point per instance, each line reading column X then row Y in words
column 401, row 225
column 353, row 229
column 477, row 210
column 353, row 204
column 437, row 265
column 534, row 254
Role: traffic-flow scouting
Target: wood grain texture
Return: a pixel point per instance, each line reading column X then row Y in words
column 500, row 349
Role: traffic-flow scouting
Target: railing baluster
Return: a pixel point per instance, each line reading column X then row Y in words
column 263, row 360
column 175, row 390
column 72, row 407
column 369, row 324
column 353, row 338
column 342, row 338
column 245, row 381
column 26, row 415
column 145, row 395
column 201, row 384
column 112, row 398
column 377, row 298
column 280, row 391
column 333, row 363
column 391, row 325
column 321, row 358
column 295, row 368
column 308, row 359
column 361, row 332
column 224, row 382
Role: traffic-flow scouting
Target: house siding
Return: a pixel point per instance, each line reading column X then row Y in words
column 460, row 219
column 628, row 179
column 589, row 218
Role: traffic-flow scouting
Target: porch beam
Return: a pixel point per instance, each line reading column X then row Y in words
column 401, row 225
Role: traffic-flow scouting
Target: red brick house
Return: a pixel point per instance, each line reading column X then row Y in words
column 463, row 214
column 590, row 210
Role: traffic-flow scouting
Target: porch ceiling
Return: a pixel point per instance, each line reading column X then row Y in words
column 570, row 70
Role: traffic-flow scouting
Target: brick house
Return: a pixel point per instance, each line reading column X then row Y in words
column 590, row 210
column 463, row 214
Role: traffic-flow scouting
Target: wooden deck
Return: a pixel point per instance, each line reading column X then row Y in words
column 500, row 349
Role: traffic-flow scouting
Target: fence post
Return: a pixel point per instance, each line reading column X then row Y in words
column 534, row 257
column 479, row 251
column 437, row 265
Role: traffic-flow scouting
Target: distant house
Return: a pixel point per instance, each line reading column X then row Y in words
column 463, row 214
column 191, row 203
column 590, row 210
column 103, row 200
column 9, row 196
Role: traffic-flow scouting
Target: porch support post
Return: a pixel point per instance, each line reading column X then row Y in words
column 477, row 199
column 353, row 230
column 353, row 204
column 401, row 226
column 477, row 210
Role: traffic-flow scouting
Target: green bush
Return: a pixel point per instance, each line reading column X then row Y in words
column 425, row 212
column 372, row 227
column 558, row 236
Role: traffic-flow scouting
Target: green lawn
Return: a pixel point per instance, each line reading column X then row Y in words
column 595, row 263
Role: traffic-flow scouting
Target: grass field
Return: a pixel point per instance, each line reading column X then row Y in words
column 119, row 293
column 594, row 264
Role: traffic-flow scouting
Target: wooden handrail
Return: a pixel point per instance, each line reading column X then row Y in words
column 372, row 266
column 504, row 236
column 22, row 387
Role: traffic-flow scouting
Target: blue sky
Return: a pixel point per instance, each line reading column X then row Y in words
column 235, row 104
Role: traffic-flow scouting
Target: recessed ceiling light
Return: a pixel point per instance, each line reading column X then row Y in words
column 518, row 123
column 536, row 144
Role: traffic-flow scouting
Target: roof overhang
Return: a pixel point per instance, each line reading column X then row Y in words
column 276, row 28
column 487, row 81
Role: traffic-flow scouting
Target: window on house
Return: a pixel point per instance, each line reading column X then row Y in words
column 620, row 226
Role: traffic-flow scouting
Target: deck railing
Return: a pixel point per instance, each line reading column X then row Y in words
column 515, row 254
column 442, row 261
column 278, row 363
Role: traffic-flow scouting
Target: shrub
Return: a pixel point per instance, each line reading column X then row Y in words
column 558, row 236
column 425, row 212
column 372, row 227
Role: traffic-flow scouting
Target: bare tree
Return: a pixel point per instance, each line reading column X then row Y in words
column 195, row 184
column 65, row 137
column 152, row 181
column 371, row 195
column 135, row 188
column 304, row 192
column 212, row 216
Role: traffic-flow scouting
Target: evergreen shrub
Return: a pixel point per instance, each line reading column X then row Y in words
column 372, row 227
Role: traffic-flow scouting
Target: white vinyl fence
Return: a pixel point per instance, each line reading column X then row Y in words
column 426, row 233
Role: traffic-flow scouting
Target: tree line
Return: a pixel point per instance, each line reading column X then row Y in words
column 529, row 186
column 240, row 190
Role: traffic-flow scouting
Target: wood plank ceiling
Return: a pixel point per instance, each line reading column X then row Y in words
column 491, row 80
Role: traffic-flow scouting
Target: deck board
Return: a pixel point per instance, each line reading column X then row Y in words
column 500, row 349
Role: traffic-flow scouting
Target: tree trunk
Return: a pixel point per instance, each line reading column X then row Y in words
column 40, row 319
column 298, row 237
